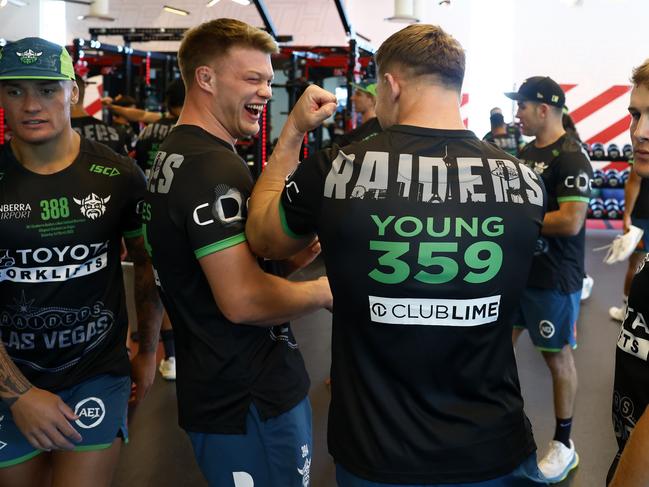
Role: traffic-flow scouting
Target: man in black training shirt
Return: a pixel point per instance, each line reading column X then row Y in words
column 631, row 388
column 91, row 128
column 364, row 99
column 636, row 212
column 65, row 203
column 241, row 381
column 122, row 124
column 428, row 234
column 550, row 304
column 505, row 136
column 153, row 134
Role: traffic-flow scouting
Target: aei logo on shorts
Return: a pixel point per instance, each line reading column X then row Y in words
column 546, row 329
column 91, row 412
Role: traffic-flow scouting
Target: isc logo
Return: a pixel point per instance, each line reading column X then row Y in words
column 91, row 412
column 106, row 171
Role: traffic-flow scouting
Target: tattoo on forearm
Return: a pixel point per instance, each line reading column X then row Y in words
column 147, row 301
column 13, row 383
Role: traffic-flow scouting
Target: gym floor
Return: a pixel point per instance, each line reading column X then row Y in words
column 159, row 453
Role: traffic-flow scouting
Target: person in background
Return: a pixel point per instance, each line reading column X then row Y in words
column 122, row 125
column 549, row 307
column 94, row 129
column 505, row 136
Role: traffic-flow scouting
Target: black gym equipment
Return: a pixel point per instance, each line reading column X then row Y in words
column 597, row 151
column 613, row 179
column 627, row 152
column 613, row 152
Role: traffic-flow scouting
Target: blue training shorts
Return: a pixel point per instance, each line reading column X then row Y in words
column 527, row 474
column 101, row 404
column 275, row 452
column 550, row 317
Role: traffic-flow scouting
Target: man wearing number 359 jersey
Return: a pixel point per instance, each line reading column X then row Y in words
column 428, row 236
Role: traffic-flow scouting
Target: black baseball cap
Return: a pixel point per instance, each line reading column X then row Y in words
column 35, row 58
column 540, row 89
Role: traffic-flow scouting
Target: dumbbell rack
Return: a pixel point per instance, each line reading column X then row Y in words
column 605, row 193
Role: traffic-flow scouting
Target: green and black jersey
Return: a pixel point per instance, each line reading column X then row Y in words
column 94, row 129
column 62, row 309
column 149, row 140
column 196, row 206
column 567, row 173
column 428, row 237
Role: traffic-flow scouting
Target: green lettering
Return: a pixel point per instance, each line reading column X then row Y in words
column 472, row 229
column 398, row 226
column 381, row 225
column 493, row 226
column 430, row 227
column 491, row 264
column 393, row 250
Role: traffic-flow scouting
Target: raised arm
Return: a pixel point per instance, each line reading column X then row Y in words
column 264, row 226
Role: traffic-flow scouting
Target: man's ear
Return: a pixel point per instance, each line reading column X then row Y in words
column 204, row 77
column 394, row 86
column 74, row 95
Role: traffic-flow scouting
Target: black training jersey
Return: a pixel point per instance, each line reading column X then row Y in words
column 149, row 141
column 631, row 389
column 127, row 134
column 94, row 129
column 62, row 310
column 566, row 172
column 196, row 205
column 641, row 207
column 360, row 133
column 428, row 237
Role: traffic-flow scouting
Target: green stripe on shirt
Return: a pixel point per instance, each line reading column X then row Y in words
column 287, row 229
column 221, row 245
column 582, row 199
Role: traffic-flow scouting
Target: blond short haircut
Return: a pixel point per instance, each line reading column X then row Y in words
column 211, row 40
column 640, row 76
column 424, row 49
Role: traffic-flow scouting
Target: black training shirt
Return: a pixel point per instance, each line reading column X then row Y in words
column 631, row 389
column 427, row 237
column 94, row 129
column 62, row 309
column 196, row 205
column 360, row 133
column 641, row 207
column 149, row 140
column 567, row 173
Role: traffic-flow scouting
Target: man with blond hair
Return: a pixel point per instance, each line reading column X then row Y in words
column 631, row 387
column 241, row 382
column 427, row 234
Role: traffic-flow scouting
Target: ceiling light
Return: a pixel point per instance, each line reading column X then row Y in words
column 174, row 10
column 17, row 3
column 3, row 3
column 242, row 2
column 211, row 3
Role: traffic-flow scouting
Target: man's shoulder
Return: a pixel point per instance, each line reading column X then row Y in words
column 96, row 153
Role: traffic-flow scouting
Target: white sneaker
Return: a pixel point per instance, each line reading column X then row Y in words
column 587, row 287
column 558, row 462
column 616, row 313
column 167, row 368
column 622, row 246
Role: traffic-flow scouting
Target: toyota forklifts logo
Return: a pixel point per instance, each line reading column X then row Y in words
column 91, row 412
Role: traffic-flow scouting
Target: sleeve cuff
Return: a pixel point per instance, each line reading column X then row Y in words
column 133, row 233
column 581, row 199
column 285, row 227
column 220, row 245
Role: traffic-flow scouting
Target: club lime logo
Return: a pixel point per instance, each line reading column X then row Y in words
column 91, row 412
column 29, row 56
